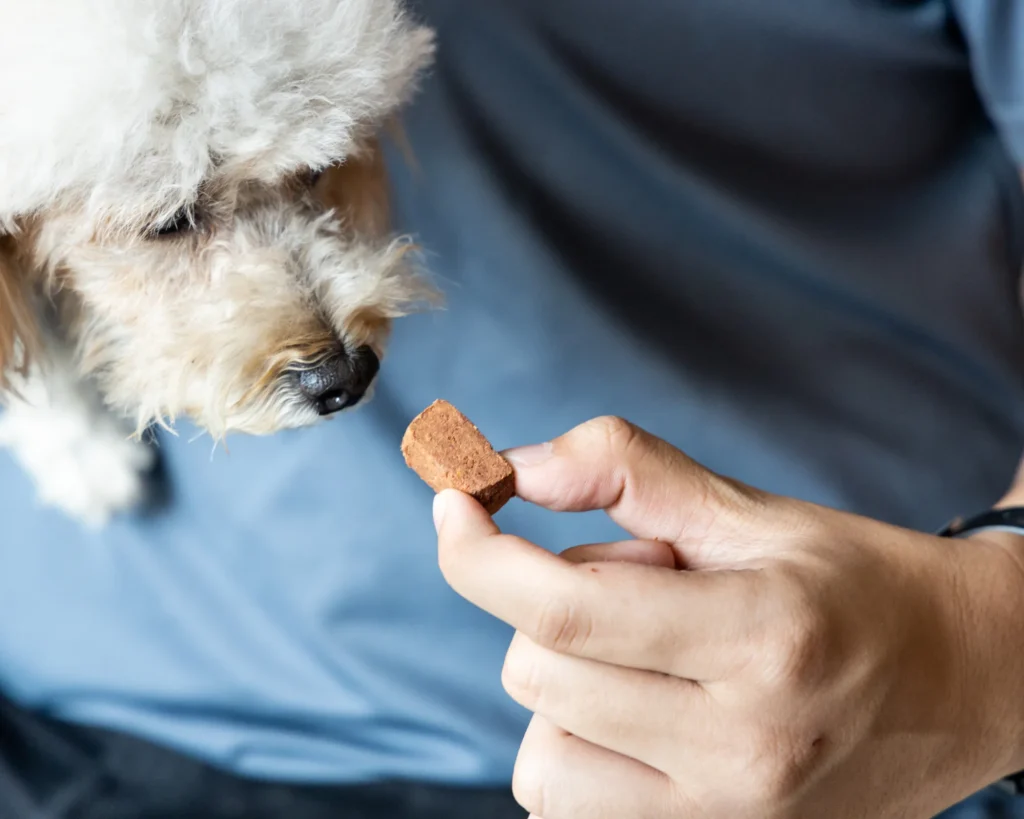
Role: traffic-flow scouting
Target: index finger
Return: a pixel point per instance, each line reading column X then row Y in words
column 693, row 625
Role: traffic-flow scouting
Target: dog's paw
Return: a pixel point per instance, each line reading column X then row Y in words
column 81, row 458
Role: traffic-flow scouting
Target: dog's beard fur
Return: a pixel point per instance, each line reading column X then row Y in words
column 269, row 272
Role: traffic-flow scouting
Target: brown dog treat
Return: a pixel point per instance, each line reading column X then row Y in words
column 447, row 451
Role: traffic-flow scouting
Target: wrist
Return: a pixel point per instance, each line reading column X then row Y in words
column 990, row 569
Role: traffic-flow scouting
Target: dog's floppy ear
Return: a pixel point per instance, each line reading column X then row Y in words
column 358, row 191
column 18, row 330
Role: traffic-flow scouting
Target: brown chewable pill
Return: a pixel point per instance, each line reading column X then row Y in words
column 447, row 451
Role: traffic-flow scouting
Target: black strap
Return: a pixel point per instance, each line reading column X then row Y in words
column 1010, row 519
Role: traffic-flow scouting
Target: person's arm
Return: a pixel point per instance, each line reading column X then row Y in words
column 747, row 656
column 1015, row 494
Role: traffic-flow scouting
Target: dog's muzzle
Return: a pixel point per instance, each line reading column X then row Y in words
column 340, row 381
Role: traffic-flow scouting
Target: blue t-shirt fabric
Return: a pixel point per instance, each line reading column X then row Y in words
column 784, row 236
column 994, row 32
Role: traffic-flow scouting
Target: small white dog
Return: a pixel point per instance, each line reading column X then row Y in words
column 192, row 222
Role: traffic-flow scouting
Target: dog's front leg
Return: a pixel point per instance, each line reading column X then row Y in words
column 81, row 457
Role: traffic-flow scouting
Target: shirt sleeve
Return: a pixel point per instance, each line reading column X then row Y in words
column 994, row 30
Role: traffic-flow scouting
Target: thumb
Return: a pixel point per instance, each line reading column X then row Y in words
column 647, row 486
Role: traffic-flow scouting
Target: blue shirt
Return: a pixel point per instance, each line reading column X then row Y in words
column 785, row 236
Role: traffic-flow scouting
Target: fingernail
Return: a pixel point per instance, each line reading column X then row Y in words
column 439, row 505
column 533, row 455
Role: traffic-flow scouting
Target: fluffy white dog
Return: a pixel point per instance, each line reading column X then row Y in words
column 192, row 222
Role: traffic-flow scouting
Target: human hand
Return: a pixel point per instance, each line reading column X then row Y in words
column 748, row 656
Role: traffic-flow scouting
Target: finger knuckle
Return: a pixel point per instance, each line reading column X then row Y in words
column 799, row 640
column 610, row 432
column 522, row 679
column 768, row 783
column 800, row 654
column 532, row 784
column 563, row 626
column 780, row 766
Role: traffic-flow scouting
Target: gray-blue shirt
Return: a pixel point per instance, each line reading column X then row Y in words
column 784, row 235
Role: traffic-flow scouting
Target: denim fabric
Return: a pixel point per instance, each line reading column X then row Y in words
column 53, row 770
column 993, row 803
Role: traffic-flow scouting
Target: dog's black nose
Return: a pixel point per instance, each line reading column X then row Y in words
column 340, row 381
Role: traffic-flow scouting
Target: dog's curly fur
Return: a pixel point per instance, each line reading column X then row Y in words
column 191, row 204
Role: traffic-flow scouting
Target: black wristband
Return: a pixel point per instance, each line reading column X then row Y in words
column 1011, row 520
column 1013, row 784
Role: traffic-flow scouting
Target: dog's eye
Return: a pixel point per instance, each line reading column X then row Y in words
column 315, row 177
column 182, row 221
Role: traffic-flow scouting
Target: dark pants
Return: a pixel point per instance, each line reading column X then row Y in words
column 51, row 770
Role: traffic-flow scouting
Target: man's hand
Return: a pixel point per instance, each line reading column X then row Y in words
column 748, row 656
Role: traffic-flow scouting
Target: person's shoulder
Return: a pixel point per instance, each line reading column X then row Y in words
column 993, row 31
